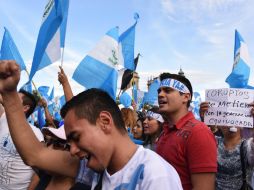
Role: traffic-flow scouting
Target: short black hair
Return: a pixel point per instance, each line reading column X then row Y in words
column 90, row 103
column 180, row 78
column 28, row 99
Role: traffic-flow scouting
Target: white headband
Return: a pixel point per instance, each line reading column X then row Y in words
column 155, row 116
column 175, row 84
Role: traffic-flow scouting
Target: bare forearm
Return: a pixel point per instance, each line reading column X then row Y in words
column 22, row 135
column 67, row 91
column 49, row 117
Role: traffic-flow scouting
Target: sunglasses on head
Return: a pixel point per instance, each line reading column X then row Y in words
column 57, row 144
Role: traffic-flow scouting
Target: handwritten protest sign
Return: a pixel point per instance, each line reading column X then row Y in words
column 229, row 107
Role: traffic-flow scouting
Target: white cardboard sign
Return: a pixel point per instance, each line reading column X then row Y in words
column 229, row 107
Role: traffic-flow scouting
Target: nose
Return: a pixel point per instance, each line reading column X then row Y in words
column 74, row 149
column 145, row 121
column 160, row 93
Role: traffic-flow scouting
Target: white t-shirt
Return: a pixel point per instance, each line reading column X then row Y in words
column 146, row 170
column 14, row 174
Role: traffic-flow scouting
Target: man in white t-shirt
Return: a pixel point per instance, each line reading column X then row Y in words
column 14, row 174
column 96, row 131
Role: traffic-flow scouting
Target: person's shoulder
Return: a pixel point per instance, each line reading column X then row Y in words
column 154, row 163
column 37, row 132
column 198, row 125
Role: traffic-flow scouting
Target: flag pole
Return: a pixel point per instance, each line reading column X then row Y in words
column 33, row 83
column 62, row 56
column 119, row 94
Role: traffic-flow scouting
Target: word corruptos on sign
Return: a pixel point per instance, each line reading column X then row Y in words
column 229, row 107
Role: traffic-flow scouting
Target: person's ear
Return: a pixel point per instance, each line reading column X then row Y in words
column 26, row 108
column 186, row 97
column 105, row 121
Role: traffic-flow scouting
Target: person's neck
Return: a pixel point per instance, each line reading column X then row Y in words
column 173, row 118
column 1, row 109
column 230, row 141
column 155, row 136
column 124, row 150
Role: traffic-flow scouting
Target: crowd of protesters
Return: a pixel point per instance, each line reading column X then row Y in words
column 100, row 145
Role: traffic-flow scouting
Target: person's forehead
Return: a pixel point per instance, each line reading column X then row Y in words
column 20, row 94
column 73, row 124
column 163, row 88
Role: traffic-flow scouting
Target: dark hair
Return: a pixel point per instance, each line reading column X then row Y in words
column 90, row 103
column 141, row 118
column 180, row 78
column 28, row 99
column 148, row 138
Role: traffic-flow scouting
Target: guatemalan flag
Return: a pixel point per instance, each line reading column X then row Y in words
column 99, row 69
column 126, row 45
column 239, row 76
column 9, row 50
column 50, row 37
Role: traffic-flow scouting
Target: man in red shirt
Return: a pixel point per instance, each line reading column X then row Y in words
column 185, row 143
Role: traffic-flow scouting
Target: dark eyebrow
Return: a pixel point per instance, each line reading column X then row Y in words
column 71, row 136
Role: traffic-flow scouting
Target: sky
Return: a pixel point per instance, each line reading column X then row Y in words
column 197, row 36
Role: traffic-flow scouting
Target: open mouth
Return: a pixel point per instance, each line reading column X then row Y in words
column 162, row 102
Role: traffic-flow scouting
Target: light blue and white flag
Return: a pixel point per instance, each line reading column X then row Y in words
column 140, row 96
column 47, row 49
column 52, row 93
column 239, row 76
column 9, row 50
column 65, row 7
column 125, row 99
column 41, row 117
column 126, row 45
column 195, row 104
column 61, row 101
column 99, row 69
column 43, row 90
column 27, row 87
column 151, row 97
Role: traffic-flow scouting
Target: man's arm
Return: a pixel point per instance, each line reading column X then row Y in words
column 30, row 149
column 202, row 181
column 62, row 78
column 43, row 103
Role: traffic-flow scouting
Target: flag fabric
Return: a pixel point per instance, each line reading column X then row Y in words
column 125, row 99
column 9, row 50
column 140, row 96
column 65, row 7
column 135, row 93
column 47, row 48
column 128, row 74
column 43, row 90
column 41, row 118
column 51, row 108
column 195, row 105
column 99, row 69
column 57, row 116
column 126, row 45
column 136, row 61
column 62, row 101
column 239, row 76
column 51, row 96
column 151, row 97
column 27, row 87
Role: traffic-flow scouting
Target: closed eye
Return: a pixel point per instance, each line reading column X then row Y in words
column 73, row 136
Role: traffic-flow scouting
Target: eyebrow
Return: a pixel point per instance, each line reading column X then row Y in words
column 71, row 136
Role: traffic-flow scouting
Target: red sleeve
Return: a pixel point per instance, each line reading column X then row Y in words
column 202, row 151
